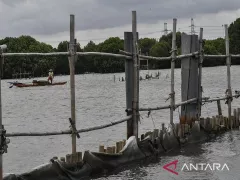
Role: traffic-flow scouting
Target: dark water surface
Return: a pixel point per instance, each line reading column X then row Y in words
column 99, row 100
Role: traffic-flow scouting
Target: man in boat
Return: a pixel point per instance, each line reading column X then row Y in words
column 50, row 75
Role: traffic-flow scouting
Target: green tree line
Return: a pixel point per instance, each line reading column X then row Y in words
column 39, row 66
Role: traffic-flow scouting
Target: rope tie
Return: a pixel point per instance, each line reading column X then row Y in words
column 228, row 96
column 73, row 128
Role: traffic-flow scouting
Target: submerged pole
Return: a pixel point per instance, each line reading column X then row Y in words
column 174, row 49
column 71, row 59
column 228, row 62
column 200, row 73
column 135, row 75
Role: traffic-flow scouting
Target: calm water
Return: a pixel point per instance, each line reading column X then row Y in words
column 99, row 100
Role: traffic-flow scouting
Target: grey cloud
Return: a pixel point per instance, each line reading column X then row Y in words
column 45, row 17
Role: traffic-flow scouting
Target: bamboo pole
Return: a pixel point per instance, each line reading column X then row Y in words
column 71, row 59
column 200, row 73
column 103, row 54
column 174, row 49
column 206, row 99
column 68, row 131
column 169, row 106
column 228, row 62
column 135, row 75
column 161, row 58
column 36, row 54
column 235, row 55
column 208, row 56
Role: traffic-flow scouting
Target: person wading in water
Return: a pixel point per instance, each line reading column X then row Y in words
column 50, row 75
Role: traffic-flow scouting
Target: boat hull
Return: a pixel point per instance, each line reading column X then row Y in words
column 21, row 85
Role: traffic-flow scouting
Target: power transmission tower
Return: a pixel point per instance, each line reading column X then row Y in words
column 165, row 29
column 192, row 27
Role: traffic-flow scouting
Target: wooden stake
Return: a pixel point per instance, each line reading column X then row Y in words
column 124, row 142
column 128, row 46
column 62, row 159
column 79, row 156
column 235, row 118
column 68, row 158
column 121, row 145
column 190, row 76
column 135, row 75
column 101, row 149
column 109, row 150
column 213, row 123
column 200, row 73
column 118, row 147
column 113, row 149
column 174, row 49
column 238, row 113
column 219, row 107
column 228, row 62
column 1, row 163
column 72, row 59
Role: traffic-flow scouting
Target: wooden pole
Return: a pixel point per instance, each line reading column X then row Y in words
column 135, row 75
column 174, row 49
column 128, row 46
column 71, row 59
column 189, row 84
column 219, row 107
column 228, row 62
column 1, row 163
column 200, row 73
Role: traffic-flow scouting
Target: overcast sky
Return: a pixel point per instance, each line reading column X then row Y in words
column 48, row 20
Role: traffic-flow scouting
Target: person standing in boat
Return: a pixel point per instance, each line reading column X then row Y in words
column 50, row 75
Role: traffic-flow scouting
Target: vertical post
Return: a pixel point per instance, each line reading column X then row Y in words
column 135, row 75
column 219, row 107
column 1, row 163
column 200, row 73
column 71, row 59
column 128, row 47
column 189, row 85
column 174, row 49
column 228, row 62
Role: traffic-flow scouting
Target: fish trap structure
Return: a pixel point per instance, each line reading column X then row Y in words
column 192, row 127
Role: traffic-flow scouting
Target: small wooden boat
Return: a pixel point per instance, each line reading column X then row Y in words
column 36, row 83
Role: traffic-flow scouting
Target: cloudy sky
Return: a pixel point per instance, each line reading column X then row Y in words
column 48, row 20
